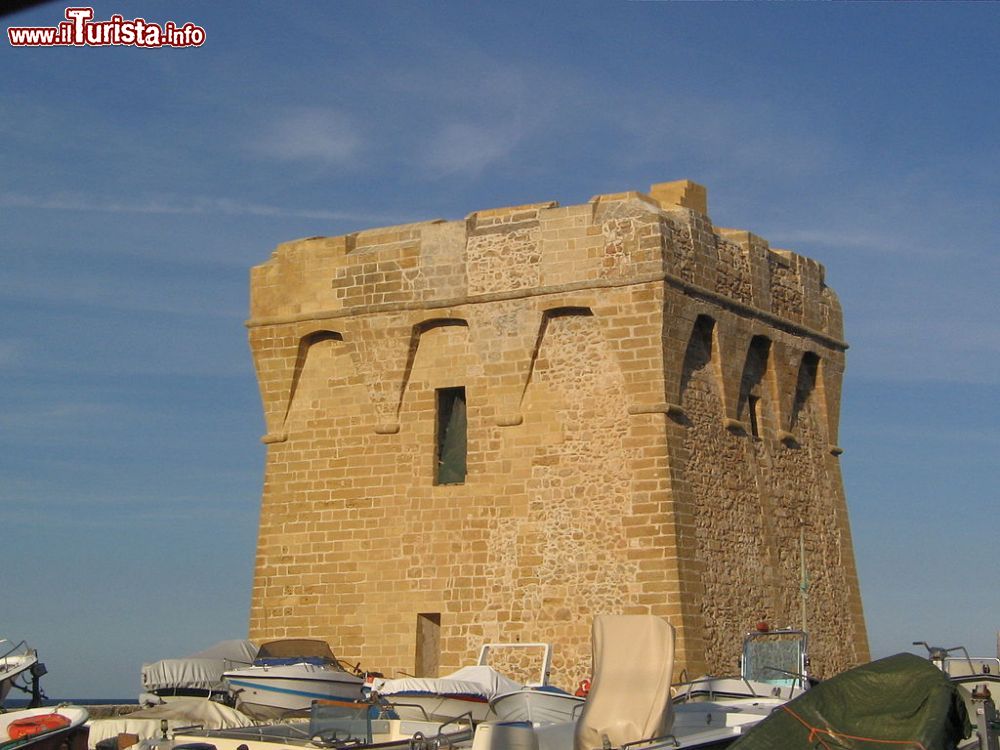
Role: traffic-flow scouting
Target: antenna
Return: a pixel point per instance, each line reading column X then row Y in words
column 804, row 575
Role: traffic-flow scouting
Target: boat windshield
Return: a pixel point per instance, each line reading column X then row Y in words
column 14, row 655
column 9, row 648
column 775, row 657
column 297, row 651
column 333, row 721
column 967, row 666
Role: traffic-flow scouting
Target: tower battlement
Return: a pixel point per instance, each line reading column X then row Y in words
column 492, row 429
column 542, row 248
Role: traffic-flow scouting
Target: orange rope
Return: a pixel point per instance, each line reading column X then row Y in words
column 813, row 731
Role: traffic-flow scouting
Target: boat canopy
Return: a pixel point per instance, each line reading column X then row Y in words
column 199, row 671
column 896, row 701
column 184, row 712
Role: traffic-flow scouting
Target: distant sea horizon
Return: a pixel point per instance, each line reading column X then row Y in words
column 23, row 702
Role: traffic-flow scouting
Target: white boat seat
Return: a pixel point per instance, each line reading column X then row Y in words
column 629, row 701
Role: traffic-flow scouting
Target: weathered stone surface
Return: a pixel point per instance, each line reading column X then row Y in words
column 652, row 427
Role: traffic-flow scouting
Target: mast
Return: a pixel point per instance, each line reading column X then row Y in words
column 804, row 576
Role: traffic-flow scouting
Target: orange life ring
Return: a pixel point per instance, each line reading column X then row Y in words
column 33, row 725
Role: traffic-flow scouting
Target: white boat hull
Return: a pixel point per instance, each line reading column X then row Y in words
column 387, row 734
column 48, row 739
column 274, row 692
column 537, row 706
column 12, row 665
column 696, row 726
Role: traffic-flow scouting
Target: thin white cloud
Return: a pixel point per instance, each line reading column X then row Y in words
column 847, row 239
column 311, row 135
column 52, row 415
column 468, row 148
column 194, row 205
column 903, row 434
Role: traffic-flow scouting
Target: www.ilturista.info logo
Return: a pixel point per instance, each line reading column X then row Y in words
column 80, row 30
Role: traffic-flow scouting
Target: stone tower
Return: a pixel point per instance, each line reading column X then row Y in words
column 493, row 429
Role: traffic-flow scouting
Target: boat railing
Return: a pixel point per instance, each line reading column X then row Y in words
column 975, row 664
column 458, row 721
column 397, row 704
column 444, row 739
column 942, row 659
column 18, row 649
column 710, row 680
column 662, row 739
column 546, row 648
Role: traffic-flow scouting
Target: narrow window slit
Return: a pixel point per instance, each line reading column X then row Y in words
column 452, row 437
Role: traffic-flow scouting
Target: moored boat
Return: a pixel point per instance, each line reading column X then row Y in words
column 629, row 704
column 977, row 680
column 288, row 675
column 199, row 675
column 473, row 689
column 18, row 662
column 538, row 705
column 152, row 723
column 467, row 690
column 332, row 725
column 899, row 701
column 773, row 662
column 44, row 729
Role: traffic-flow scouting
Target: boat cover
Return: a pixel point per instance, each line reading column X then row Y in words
column 200, row 671
column 629, row 701
column 899, row 701
column 479, row 681
column 183, row 712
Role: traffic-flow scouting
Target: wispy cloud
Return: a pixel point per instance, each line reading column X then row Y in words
column 136, row 508
column 848, row 239
column 60, row 414
column 469, row 148
column 193, row 205
column 309, row 134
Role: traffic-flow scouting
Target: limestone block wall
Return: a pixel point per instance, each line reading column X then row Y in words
column 652, row 410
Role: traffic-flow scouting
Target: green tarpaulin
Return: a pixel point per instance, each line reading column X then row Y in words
column 899, row 702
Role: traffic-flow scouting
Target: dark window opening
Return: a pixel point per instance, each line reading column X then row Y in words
column 452, row 437
column 808, row 373
column 752, row 385
column 753, row 405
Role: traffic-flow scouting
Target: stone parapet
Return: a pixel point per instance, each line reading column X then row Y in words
column 539, row 248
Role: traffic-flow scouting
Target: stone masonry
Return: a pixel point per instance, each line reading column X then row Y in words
column 652, row 415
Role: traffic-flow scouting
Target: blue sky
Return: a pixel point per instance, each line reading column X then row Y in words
column 138, row 186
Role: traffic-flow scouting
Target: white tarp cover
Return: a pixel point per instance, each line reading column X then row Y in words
column 478, row 680
column 200, row 671
column 629, row 701
column 183, row 712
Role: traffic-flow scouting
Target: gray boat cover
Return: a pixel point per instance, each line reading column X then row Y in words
column 481, row 681
column 902, row 701
column 199, row 671
column 629, row 701
column 183, row 712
